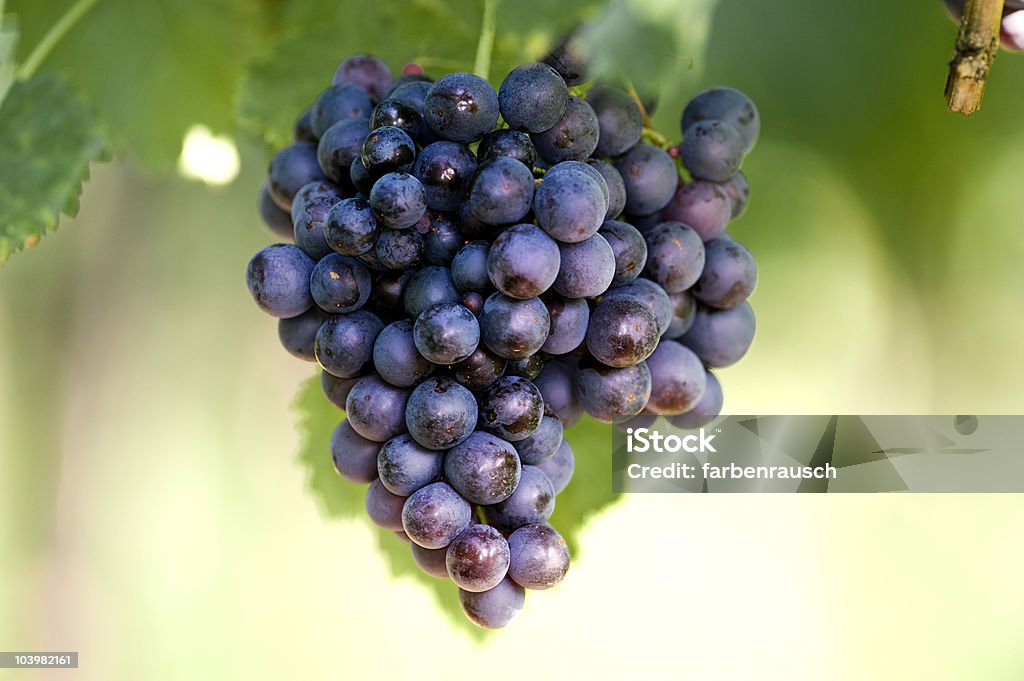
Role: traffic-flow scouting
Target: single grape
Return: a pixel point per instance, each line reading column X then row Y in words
column 398, row 200
column 514, row 329
column 712, row 150
column 472, row 301
column 336, row 389
column 507, row 144
column 569, row 321
column 310, row 208
column 544, row 442
column 399, row 114
column 523, row 261
column 738, row 190
column 440, row 413
column 434, row 515
column 480, row 370
column 529, row 367
column 386, row 149
column 629, row 248
column 431, row 561
column 399, row 249
column 428, row 287
column 678, row 379
column 502, row 192
column 618, row 118
column 278, row 280
column 376, row 409
column 461, row 107
column 469, row 267
column 484, row 469
column 615, row 184
column 366, row 71
column 361, row 178
column 446, row 171
column 350, row 228
column 538, row 557
column 623, row 331
column 569, row 205
column 675, row 256
column 446, row 333
column 533, row 501
column 383, row 507
column 573, row 137
column 404, row 466
column 298, row 333
column 494, row 608
column 650, row 294
column 727, row 105
column 558, row 387
column 388, row 294
column 533, row 97
column 477, row 559
column 586, row 169
column 278, row 220
column 344, row 343
column 610, row 394
column 339, row 146
column 340, row 284
column 395, row 356
column 721, row 337
column 354, row 457
column 569, row 58
column 471, row 226
column 706, row 410
column 704, row 206
column 303, row 131
column 442, row 240
column 559, row 467
column 291, row 169
column 586, row 269
column 512, row 408
column 729, row 275
column 340, row 103
column 650, row 176
column 684, row 311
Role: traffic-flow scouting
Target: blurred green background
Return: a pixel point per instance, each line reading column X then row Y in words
column 154, row 517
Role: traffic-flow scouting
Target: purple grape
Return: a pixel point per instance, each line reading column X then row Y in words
column 729, row 275
column 354, row 457
column 727, row 105
column 623, row 331
column 570, row 204
column 477, row 559
column 344, row 343
column 650, row 176
column 704, row 206
column 712, row 150
column 461, row 107
column 514, row 329
column 706, row 410
column 675, row 256
column 494, row 608
column 484, row 469
column 336, row 389
column 523, row 261
column 340, row 103
column 395, row 356
column 278, row 280
column 569, row 321
column 629, row 248
column 278, row 220
column 573, row 137
column 678, row 379
column 533, row 501
column 340, row 284
column 434, row 515
column 350, row 228
column 512, row 408
column 538, row 557
column 559, row 467
column 619, row 120
column 480, row 370
column 298, row 334
column 532, row 98
column 446, row 333
column 366, row 71
column 376, row 409
column 502, row 192
column 431, row 561
column 291, row 169
column 383, row 507
column 404, row 466
column 544, row 442
column 446, row 171
column 557, row 385
column 586, row 268
column 441, row 413
column 613, row 394
column 721, row 337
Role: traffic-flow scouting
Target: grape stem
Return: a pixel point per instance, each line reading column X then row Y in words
column 977, row 43
column 485, row 45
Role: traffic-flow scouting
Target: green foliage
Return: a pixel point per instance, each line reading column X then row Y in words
column 589, row 491
column 8, row 42
column 48, row 136
column 441, row 36
column 151, row 69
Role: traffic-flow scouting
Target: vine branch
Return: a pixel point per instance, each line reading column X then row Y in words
column 977, row 43
column 485, row 45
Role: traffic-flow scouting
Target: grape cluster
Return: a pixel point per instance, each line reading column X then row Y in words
column 473, row 269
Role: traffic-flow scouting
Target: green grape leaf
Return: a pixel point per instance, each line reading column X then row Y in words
column 49, row 137
column 152, row 69
column 589, row 491
column 440, row 36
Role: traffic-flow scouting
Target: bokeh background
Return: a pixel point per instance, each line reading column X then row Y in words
column 154, row 517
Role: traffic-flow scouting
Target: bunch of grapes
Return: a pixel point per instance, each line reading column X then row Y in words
column 474, row 269
column 1011, row 29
